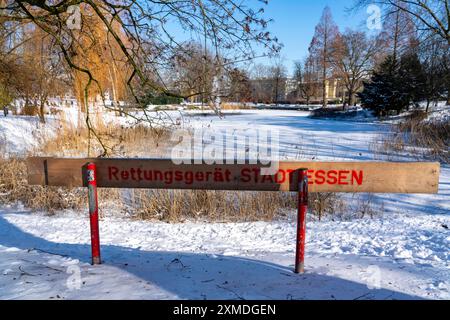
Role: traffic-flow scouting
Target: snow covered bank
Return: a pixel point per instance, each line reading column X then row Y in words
column 18, row 134
column 394, row 257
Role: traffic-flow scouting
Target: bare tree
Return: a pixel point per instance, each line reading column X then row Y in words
column 353, row 60
column 306, row 75
column 325, row 35
column 192, row 72
column 435, row 56
column 262, row 84
column 47, row 75
column 430, row 19
column 239, row 87
column 31, row 70
column 398, row 36
column 278, row 74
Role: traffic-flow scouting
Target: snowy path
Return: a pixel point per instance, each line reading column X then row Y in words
column 396, row 257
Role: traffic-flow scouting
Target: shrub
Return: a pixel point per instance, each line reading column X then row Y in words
column 30, row 110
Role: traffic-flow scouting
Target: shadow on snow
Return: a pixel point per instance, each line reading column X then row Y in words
column 199, row 276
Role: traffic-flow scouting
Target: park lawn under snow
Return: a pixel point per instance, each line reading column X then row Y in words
column 402, row 253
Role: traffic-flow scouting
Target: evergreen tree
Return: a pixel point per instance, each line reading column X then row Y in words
column 395, row 86
column 380, row 94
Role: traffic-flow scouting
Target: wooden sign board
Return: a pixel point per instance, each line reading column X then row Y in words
column 371, row 177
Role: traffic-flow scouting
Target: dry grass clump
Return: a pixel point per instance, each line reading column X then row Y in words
column 433, row 137
column 29, row 110
column 419, row 137
column 218, row 206
column 235, row 106
column 230, row 206
column 134, row 141
column 326, row 204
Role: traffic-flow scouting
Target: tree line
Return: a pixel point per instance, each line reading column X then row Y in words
column 405, row 63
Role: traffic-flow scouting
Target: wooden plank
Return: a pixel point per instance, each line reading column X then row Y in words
column 371, row 177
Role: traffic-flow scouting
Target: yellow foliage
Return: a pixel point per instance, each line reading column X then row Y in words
column 97, row 51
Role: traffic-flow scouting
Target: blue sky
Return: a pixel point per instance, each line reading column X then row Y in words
column 295, row 21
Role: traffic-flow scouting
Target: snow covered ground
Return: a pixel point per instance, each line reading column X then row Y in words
column 394, row 257
column 18, row 134
column 401, row 254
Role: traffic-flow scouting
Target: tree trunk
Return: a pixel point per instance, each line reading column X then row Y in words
column 324, row 88
column 351, row 98
column 354, row 99
column 324, row 71
column 277, row 83
column 42, row 111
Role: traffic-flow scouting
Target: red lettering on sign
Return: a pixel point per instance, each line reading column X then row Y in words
column 168, row 177
column 158, row 175
column 280, row 177
column 113, row 171
column 124, row 175
column 320, row 177
column 208, row 175
column 343, row 177
column 246, row 175
column 189, row 178
column 199, row 176
column 267, row 178
column 332, row 177
column 256, row 174
column 148, row 175
column 133, row 174
column 357, row 176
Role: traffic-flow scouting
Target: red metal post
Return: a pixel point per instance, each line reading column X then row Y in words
column 93, row 212
column 301, row 222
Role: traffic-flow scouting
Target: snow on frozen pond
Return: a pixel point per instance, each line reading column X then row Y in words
column 393, row 257
column 304, row 138
column 301, row 137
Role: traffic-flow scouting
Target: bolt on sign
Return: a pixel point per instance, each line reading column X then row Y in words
column 351, row 177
